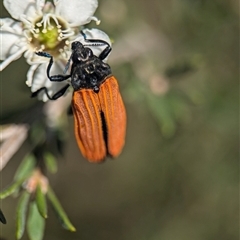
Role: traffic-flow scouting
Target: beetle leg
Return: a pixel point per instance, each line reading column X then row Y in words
column 54, row 78
column 55, row 96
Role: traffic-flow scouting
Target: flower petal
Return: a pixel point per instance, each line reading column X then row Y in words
column 37, row 78
column 12, row 41
column 31, row 73
column 10, row 32
column 78, row 12
column 94, row 33
column 19, row 7
column 12, row 58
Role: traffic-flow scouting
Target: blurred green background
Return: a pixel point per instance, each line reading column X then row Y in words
column 178, row 176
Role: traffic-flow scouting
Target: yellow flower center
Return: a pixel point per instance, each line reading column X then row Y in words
column 50, row 34
column 48, row 37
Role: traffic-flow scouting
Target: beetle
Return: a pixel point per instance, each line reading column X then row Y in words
column 97, row 106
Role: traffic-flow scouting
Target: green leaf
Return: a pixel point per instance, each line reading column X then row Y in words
column 21, row 214
column 50, row 162
column 159, row 105
column 59, row 211
column 2, row 217
column 41, row 202
column 26, row 167
column 37, row 134
column 35, row 223
column 11, row 189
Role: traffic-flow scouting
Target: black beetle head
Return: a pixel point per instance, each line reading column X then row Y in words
column 80, row 53
column 76, row 45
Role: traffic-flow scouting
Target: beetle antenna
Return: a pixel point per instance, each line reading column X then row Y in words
column 84, row 34
column 95, row 44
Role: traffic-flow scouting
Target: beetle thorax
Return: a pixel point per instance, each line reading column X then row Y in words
column 89, row 73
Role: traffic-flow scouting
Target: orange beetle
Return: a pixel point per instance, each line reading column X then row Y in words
column 98, row 109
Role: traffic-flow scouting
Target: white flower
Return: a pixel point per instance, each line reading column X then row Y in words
column 43, row 26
